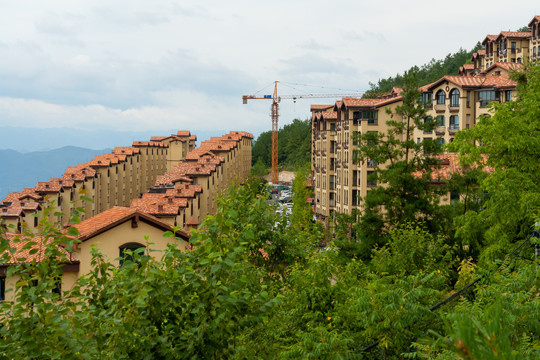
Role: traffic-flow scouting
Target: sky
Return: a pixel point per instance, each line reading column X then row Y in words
column 160, row 65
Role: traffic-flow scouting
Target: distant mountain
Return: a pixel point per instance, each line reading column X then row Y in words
column 20, row 170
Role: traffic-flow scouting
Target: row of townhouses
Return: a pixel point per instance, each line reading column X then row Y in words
column 137, row 193
column 452, row 102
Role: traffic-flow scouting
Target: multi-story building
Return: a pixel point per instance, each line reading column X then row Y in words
column 534, row 44
column 189, row 191
column 456, row 102
column 453, row 103
column 339, row 179
column 180, row 198
column 107, row 180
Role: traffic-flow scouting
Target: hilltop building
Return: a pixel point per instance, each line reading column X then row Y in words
column 452, row 102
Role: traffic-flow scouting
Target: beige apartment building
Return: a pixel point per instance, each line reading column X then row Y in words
column 338, row 178
column 453, row 103
column 187, row 193
column 107, row 180
column 534, row 45
column 177, row 200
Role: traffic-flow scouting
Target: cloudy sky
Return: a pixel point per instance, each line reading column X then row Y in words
column 160, row 65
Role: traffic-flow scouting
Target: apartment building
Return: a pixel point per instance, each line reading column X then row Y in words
column 534, row 44
column 107, row 180
column 453, row 102
column 456, row 102
column 339, row 179
column 186, row 194
column 179, row 200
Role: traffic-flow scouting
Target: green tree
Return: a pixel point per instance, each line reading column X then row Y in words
column 404, row 193
column 509, row 144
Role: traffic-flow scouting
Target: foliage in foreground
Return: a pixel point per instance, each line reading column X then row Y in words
column 228, row 299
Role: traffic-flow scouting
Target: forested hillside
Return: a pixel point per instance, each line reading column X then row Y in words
column 294, row 146
column 430, row 72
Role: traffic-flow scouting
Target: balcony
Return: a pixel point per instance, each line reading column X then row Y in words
column 453, row 128
column 440, row 130
column 371, row 163
column 454, row 108
column 440, row 107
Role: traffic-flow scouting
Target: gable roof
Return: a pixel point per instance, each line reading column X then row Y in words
column 118, row 215
column 536, row 18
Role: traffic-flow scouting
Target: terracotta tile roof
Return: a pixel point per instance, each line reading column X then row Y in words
column 243, row 134
column 315, row 107
column 505, row 66
column 449, row 165
column 46, row 187
column 158, row 138
column 80, row 172
column 23, row 255
column 515, row 34
column 502, row 81
column 183, row 133
column 159, row 205
column 192, row 222
column 149, row 144
column 128, row 150
column 193, row 138
column 357, row 102
column 24, row 194
column 11, row 211
column 116, row 216
column 489, row 38
column 481, row 52
column 536, row 18
column 326, row 115
column 468, row 66
column 171, row 179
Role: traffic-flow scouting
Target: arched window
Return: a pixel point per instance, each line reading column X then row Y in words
column 441, row 97
column 454, row 98
column 127, row 250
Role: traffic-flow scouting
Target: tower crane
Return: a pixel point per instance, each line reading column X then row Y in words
column 275, row 115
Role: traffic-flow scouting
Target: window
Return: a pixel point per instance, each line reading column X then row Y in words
column 357, row 117
column 513, row 46
column 332, row 182
column 371, row 179
column 428, row 124
column 372, row 163
column 426, row 99
column 534, row 51
column 333, row 127
column 440, row 141
column 355, row 200
column 441, row 97
column 487, row 96
column 441, row 121
column 332, row 163
column 127, row 251
column 454, row 98
column 454, row 122
column 508, row 95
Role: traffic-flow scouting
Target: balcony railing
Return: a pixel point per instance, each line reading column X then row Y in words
column 440, row 107
column 440, row 130
column 371, row 163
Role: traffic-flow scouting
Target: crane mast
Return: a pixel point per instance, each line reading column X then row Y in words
column 275, row 116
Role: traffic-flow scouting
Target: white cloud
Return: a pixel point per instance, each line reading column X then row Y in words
column 141, row 64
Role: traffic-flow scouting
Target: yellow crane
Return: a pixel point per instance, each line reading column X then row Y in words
column 275, row 115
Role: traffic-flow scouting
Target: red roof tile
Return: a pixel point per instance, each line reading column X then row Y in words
column 27, row 255
column 113, row 217
column 536, row 18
